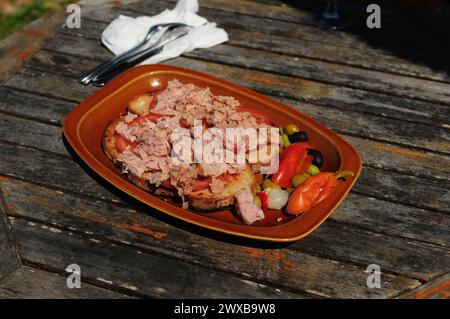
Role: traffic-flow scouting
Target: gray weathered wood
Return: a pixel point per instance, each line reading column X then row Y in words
column 33, row 106
column 408, row 257
column 35, row 134
column 292, row 269
column 370, row 59
column 9, row 259
column 130, row 269
column 21, row 45
column 31, row 283
column 315, row 70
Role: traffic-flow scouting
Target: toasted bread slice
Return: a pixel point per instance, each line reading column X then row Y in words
column 109, row 141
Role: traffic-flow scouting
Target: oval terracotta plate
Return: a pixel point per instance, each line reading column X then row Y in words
column 84, row 126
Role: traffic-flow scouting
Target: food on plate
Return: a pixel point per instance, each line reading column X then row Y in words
column 312, row 191
column 145, row 143
column 140, row 143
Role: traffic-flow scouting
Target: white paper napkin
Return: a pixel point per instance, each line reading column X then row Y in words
column 125, row 32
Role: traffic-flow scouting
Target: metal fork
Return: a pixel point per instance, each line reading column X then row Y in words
column 148, row 41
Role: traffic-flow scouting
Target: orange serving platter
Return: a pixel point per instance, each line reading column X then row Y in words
column 84, row 126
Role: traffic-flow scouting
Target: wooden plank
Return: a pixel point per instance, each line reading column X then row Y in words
column 35, row 134
column 81, row 183
column 136, row 271
column 143, row 231
column 325, row 72
column 399, row 34
column 9, row 258
column 50, row 170
column 373, row 59
column 33, row 106
column 43, row 83
column 400, row 159
column 341, row 242
column 31, row 283
column 401, row 188
column 438, row 288
column 312, row 69
column 361, row 124
column 22, row 44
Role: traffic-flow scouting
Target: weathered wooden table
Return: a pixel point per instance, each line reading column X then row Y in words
column 387, row 92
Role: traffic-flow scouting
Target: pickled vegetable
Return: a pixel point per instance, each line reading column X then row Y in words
column 299, row 178
column 285, row 140
column 313, row 170
column 257, row 200
column 267, row 183
column 291, row 129
column 277, row 198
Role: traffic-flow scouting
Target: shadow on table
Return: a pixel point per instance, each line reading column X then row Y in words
column 415, row 30
column 139, row 206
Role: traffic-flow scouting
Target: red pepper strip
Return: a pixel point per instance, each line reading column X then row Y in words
column 294, row 160
column 328, row 187
column 313, row 191
column 264, row 201
column 121, row 143
column 201, row 184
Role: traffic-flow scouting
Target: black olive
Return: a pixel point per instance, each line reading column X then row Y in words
column 317, row 157
column 298, row 137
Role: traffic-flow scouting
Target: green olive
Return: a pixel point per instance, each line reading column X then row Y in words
column 299, row 179
column 267, row 183
column 344, row 174
column 313, row 170
column 285, row 140
column 291, row 129
column 257, row 200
